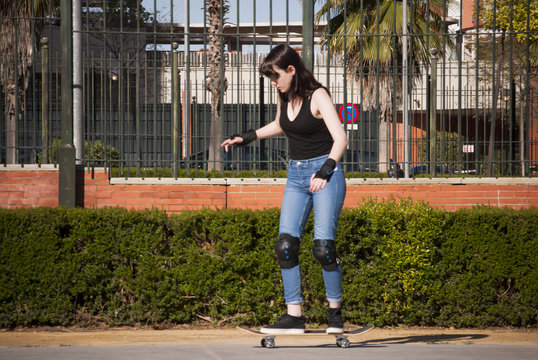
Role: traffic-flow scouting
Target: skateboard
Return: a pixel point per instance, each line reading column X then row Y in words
column 268, row 340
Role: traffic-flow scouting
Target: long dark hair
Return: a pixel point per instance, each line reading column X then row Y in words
column 303, row 83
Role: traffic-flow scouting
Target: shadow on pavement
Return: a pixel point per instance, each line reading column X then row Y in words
column 428, row 339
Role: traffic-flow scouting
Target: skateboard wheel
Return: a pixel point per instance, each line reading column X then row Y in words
column 343, row 343
column 268, row 343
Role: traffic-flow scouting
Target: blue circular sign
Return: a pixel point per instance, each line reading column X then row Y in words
column 349, row 113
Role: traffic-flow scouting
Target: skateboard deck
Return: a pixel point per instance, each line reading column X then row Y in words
column 268, row 340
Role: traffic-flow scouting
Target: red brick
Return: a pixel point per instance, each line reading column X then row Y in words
column 110, row 202
column 97, row 182
column 513, row 201
column 103, row 194
column 473, row 187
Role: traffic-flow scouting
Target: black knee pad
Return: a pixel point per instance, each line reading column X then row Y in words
column 287, row 251
column 325, row 252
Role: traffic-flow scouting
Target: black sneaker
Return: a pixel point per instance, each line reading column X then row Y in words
column 286, row 324
column 336, row 325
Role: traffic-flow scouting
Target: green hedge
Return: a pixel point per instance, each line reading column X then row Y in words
column 404, row 263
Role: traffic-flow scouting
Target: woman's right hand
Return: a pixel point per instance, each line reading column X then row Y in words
column 232, row 140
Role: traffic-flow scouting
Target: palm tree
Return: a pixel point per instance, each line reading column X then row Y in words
column 374, row 50
column 216, row 12
column 21, row 23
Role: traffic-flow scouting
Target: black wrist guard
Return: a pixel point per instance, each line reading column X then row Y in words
column 326, row 170
column 248, row 137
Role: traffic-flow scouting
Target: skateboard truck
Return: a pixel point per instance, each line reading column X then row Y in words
column 268, row 341
column 341, row 341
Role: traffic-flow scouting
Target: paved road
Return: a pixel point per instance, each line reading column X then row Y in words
column 230, row 351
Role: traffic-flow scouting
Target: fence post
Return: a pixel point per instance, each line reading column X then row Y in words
column 308, row 34
column 45, row 100
column 433, row 112
column 175, row 107
column 405, row 92
column 263, row 156
column 78, row 129
column 66, row 152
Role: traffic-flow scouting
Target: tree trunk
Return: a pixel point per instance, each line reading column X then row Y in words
column 19, row 37
column 11, row 139
column 383, row 146
column 214, row 160
column 216, row 14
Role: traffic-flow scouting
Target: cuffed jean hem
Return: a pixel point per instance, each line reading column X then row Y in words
column 294, row 303
column 335, row 300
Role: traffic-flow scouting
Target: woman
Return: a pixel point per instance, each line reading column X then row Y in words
column 307, row 115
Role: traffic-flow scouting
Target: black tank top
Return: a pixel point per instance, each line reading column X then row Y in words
column 308, row 136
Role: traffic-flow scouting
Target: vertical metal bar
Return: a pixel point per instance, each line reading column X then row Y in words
column 187, row 98
column 104, row 81
column 383, row 166
column 287, row 22
column 269, row 149
column 308, row 34
column 444, row 88
column 459, row 43
column 410, row 77
column 175, row 108
column 31, row 136
column 511, row 155
column 11, row 128
column 78, row 134
column 527, row 96
column 90, row 88
column 344, row 74
column 239, row 108
column 364, row 122
column 433, row 113
column 491, row 144
column 67, row 176
column 263, row 158
column 254, row 106
column 478, row 150
column 204, row 115
column 156, row 155
column 120, row 82
column 45, row 100
column 405, row 92
column 137, row 95
column 329, row 39
column 394, row 93
column 221, row 83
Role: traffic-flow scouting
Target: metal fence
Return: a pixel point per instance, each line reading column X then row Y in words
column 452, row 94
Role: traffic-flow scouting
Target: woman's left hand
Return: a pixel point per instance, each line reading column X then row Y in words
column 317, row 184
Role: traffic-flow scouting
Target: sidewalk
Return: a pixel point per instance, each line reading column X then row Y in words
column 48, row 337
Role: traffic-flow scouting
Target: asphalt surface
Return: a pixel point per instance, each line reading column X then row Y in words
column 242, row 351
column 235, row 343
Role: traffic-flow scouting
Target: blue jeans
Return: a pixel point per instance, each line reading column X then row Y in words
column 297, row 204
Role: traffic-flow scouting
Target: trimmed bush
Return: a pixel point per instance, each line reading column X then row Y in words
column 403, row 263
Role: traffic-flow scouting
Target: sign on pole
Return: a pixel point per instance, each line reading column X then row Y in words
column 349, row 115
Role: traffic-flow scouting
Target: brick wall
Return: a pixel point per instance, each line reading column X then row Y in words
column 28, row 187
column 34, row 187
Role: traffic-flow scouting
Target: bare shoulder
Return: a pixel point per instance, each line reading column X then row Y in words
column 321, row 101
column 321, row 94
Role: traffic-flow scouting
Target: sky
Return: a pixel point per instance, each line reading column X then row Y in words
column 246, row 14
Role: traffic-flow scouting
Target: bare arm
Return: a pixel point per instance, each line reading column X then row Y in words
column 323, row 107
